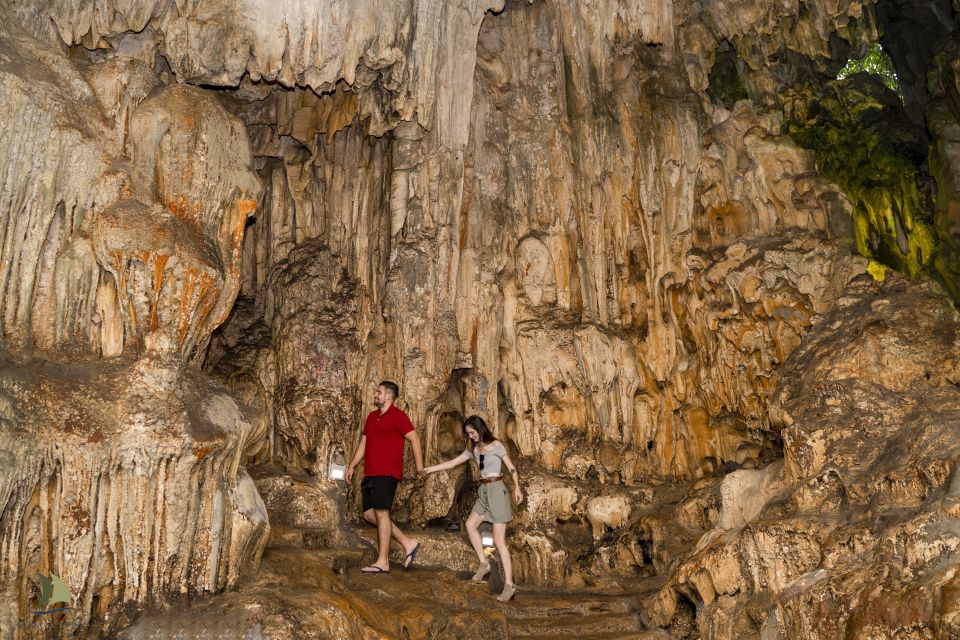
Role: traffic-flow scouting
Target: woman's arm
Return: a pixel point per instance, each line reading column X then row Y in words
column 449, row 464
column 517, row 493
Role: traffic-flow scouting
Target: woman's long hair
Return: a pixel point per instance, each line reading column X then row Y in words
column 477, row 424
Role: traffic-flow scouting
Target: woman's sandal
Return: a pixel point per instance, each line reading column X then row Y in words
column 508, row 592
column 482, row 572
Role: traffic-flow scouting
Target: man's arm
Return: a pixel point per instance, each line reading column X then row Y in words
column 417, row 451
column 357, row 457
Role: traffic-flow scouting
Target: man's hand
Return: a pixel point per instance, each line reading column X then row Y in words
column 349, row 473
column 421, row 472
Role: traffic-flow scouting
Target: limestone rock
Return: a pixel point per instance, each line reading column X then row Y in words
column 581, row 221
column 607, row 512
column 139, row 232
column 125, row 203
column 405, row 49
column 745, row 493
column 870, row 399
column 191, row 160
column 578, row 340
column 318, row 333
column 303, row 513
column 126, row 481
column 301, row 594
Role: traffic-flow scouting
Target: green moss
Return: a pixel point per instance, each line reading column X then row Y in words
column 947, row 258
column 877, row 270
column 726, row 85
column 863, row 143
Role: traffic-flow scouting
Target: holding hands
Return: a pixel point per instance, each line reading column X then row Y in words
column 443, row 466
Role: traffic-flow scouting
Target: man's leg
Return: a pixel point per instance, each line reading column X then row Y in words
column 376, row 496
column 384, row 526
column 376, row 510
column 403, row 539
column 409, row 544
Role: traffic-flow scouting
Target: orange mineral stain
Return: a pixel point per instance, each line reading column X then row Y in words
column 159, row 263
column 186, row 299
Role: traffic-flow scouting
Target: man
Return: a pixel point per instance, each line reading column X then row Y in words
column 384, row 435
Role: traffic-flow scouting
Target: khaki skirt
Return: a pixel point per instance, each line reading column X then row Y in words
column 493, row 502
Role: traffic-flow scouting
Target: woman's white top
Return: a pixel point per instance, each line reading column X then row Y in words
column 492, row 458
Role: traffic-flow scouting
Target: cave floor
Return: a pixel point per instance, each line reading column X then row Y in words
column 320, row 593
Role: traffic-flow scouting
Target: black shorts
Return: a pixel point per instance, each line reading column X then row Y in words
column 378, row 492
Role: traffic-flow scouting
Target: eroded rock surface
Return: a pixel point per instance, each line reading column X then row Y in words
column 124, row 205
column 506, row 282
column 856, row 534
column 583, row 221
column 126, row 480
column 299, row 595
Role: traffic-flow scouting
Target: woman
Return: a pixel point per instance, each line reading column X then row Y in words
column 493, row 502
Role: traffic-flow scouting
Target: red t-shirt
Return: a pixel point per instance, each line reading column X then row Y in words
column 385, row 439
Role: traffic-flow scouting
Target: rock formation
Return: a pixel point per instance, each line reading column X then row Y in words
column 655, row 244
column 124, row 208
column 855, row 534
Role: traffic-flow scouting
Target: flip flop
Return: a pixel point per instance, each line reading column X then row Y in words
column 374, row 569
column 410, row 557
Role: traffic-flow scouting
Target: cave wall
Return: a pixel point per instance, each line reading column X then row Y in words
column 855, row 533
column 124, row 207
column 601, row 251
column 542, row 265
column 650, row 260
column 625, row 72
column 532, row 211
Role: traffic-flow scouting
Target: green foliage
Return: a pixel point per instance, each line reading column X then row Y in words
column 864, row 143
column 876, row 62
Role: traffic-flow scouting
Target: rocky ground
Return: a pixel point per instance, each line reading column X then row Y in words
column 321, row 594
column 310, row 586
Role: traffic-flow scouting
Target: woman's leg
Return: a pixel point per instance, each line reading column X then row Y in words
column 500, row 540
column 473, row 532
